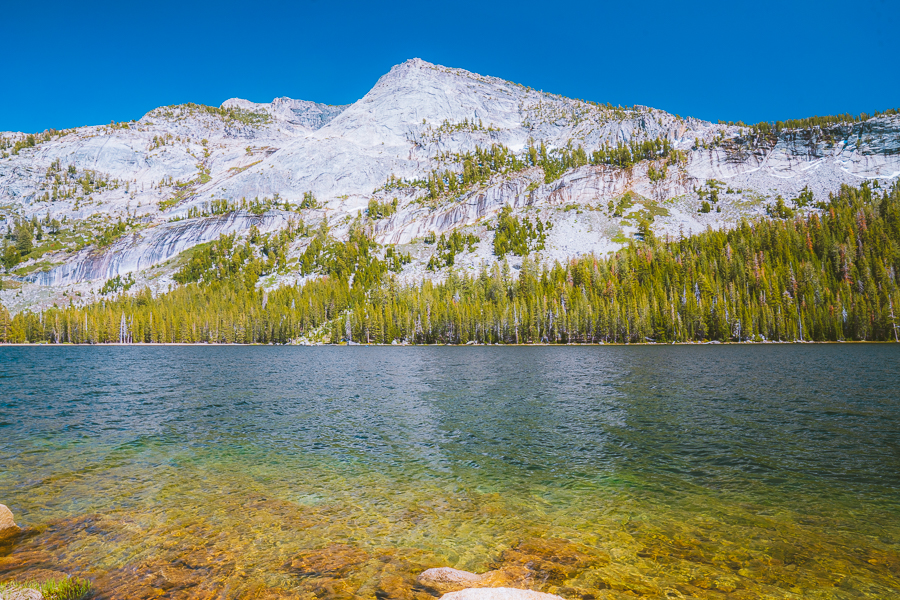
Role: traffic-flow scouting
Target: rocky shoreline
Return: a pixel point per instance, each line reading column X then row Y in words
column 22, row 575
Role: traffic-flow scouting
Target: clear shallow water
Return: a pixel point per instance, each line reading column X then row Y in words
column 263, row 472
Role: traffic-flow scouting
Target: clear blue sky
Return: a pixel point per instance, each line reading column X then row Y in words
column 65, row 64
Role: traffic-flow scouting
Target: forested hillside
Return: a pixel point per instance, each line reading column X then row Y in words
column 830, row 274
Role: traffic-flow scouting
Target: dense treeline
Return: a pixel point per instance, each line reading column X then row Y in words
column 830, row 275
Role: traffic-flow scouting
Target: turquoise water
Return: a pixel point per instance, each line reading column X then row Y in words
column 589, row 472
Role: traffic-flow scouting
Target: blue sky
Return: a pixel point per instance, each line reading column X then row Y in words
column 64, row 64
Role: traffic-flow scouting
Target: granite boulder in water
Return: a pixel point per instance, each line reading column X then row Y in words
column 447, row 578
column 498, row 594
column 8, row 525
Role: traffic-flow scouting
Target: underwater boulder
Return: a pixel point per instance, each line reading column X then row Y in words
column 447, row 579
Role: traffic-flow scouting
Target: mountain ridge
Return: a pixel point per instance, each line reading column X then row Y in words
column 161, row 174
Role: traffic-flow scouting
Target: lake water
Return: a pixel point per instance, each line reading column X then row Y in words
column 336, row 472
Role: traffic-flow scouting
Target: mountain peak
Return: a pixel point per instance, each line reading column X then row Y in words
column 421, row 122
column 410, row 69
column 412, row 63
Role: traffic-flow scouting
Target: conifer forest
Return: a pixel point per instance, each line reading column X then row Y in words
column 827, row 275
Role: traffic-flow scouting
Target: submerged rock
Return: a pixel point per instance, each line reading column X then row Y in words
column 446, row 578
column 8, row 526
column 530, row 563
column 498, row 594
column 13, row 565
column 40, row 576
column 332, row 561
column 550, row 560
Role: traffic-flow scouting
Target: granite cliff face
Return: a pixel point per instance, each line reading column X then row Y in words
column 162, row 173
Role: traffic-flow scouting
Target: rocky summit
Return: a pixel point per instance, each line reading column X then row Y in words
column 429, row 150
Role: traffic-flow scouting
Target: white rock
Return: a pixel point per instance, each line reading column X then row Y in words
column 498, row 594
column 7, row 523
column 21, row 594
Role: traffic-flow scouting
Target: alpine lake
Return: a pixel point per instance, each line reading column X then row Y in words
column 730, row 471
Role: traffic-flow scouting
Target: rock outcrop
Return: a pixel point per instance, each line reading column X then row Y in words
column 147, row 248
